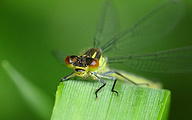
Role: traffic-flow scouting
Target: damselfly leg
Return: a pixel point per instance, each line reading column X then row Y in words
column 107, row 75
column 68, row 77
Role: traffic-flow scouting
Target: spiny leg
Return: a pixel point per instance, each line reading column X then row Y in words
column 100, row 87
column 114, row 86
column 130, row 80
column 111, row 72
column 67, row 77
column 112, row 78
column 105, row 75
column 101, row 82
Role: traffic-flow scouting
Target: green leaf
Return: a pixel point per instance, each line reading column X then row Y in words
column 34, row 96
column 75, row 99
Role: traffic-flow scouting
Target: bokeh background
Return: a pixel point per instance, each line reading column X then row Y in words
column 30, row 30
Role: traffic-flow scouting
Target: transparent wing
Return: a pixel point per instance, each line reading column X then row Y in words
column 108, row 25
column 60, row 56
column 171, row 61
column 146, row 31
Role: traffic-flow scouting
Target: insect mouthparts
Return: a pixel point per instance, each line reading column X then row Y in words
column 79, row 70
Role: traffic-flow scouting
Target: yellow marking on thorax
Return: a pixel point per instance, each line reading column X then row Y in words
column 93, row 56
column 102, row 64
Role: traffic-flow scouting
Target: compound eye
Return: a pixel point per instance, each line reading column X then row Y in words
column 69, row 60
column 93, row 65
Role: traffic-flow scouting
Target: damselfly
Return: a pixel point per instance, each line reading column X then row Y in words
column 123, row 48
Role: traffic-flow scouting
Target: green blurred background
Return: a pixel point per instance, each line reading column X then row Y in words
column 30, row 30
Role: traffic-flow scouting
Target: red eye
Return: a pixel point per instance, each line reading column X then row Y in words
column 93, row 65
column 69, row 60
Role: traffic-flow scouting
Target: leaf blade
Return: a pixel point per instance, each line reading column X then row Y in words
column 76, row 100
column 40, row 103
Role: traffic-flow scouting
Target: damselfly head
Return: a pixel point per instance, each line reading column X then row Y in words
column 81, row 64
